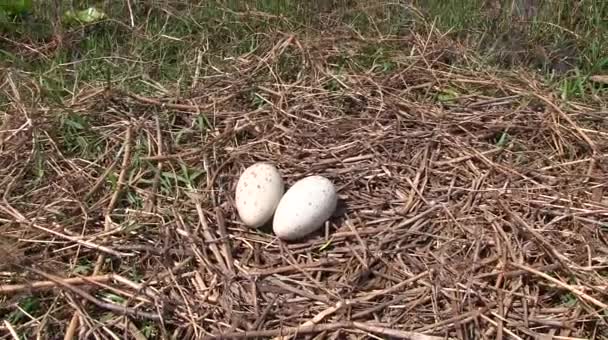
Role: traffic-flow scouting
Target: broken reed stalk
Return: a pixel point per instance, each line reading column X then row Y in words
column 317, row 328
column 73, row 325
column 42, row 285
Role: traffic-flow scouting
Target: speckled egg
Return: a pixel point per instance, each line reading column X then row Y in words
column 258, row 193
column 305, row 207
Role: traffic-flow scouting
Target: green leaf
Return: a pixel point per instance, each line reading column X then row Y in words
column 74, row 124
column 113, row 180
column 202, row 122
column 504, row 139
column 175, row 177
column 195, row 174
column 114, row 298
column 29, row 304
column 8, row 55
column 325, row 245
column 447, row 95
column 82, row 269
column 86, row 16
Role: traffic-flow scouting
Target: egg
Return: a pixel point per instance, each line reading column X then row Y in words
column 258, row 192
column 305, row 207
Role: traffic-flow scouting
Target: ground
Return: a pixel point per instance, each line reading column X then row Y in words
column 467, row 141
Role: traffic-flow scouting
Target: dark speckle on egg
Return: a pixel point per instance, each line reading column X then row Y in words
column 245, row 184
column 310, row 204
column 259, row 186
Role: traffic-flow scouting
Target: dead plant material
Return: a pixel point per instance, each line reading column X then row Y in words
column 461, row 217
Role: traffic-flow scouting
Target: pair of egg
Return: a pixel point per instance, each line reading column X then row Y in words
column 304, row 208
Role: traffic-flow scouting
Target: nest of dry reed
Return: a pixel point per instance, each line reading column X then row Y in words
column 477, row 216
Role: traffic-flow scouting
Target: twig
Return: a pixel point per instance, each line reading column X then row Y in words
column 107, row 224
column 84, row 243
column 159, row 167
column 466, row 157
column 543, row 243
column 460, row 318
column 570, row 121
column 319, row 317
column 370, row 296
column 395, row 332
column 495, row 324
column 515, row 273
column 391, row 302
column 122, row 176
column 207, row 234
column 131, row 18
column 300, row 292
column 122, row 310
column 290, row 268
column 22, row 220
column 575, row 291
column 41, row 285
column 185, row 107
column 11, row 330
column 100, row 181
column 325, row 327
column 227, row 248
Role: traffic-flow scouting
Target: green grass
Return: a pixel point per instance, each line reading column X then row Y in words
column 165, row 43
column 28, row 306
column 456, row 16
column 566, row 40
column 78, row 138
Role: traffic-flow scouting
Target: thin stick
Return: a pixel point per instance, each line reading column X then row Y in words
column 121, row 310
column 227, row 248
column 300, row 292
column 464, row 158
column 11, row 330
column 121, row 179
column 563, row 285
column 107, row 225
column 207, row 234
column 290, row 268
column 286, row 331
column 21, row 219
column 391, row 289
column 159, row 168
column 41, row 285
column 570, row 121
column 395, row 332
column 123, row 173
column 185, row 107
column 132, row 19
column 319, row 317
column 84, row 243
column 502, row 327
column 100, row 180
column 460, row 318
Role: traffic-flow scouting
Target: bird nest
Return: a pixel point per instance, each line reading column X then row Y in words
column 471, row 204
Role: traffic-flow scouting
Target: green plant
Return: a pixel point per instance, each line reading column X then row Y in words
column 29, row 305
column 15, row 7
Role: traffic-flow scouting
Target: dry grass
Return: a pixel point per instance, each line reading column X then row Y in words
column 478, row 216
